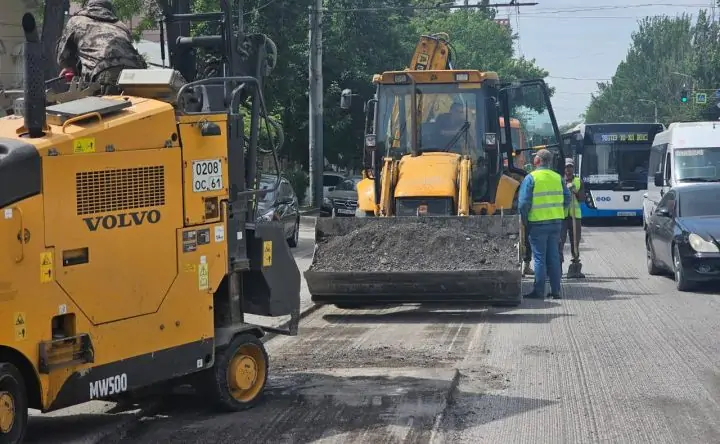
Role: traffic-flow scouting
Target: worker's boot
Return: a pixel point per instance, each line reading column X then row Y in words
column 575, row 270
column 527, row 271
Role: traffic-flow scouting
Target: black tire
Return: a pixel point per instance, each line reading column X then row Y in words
column 652, row 268
column 13, row 405
column 218, row 384
column 294, row 239
column 681, row 282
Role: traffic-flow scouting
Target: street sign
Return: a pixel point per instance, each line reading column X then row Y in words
column 701, row 98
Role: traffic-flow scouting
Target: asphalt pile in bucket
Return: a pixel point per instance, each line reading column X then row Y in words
column 416, row 247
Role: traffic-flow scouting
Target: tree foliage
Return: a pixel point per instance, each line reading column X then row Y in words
column 667, row 55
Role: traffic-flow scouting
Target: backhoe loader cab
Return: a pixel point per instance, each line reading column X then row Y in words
column 128, row 250
column 457, row 127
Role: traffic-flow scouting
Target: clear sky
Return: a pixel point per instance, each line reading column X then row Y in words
column 582, row 42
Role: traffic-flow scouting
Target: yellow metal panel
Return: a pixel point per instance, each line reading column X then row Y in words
column 506, row 192
column 148, row 124
column 125, row 208
column 205, row 170
column 429, row 175
column 366, row 195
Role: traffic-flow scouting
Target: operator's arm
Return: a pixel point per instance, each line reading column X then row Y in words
column 66, row 47
column 525, row 197
column 567, row 200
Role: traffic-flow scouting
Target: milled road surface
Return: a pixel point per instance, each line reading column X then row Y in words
column 622, row 358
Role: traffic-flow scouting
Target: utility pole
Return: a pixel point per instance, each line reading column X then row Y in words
column 316, row 157
column 654, row 104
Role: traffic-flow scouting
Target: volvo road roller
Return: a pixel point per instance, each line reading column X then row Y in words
column 128, row 250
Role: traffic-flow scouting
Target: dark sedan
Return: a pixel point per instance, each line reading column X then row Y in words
column 341, row 200
column 683, row 235
column 281, row 206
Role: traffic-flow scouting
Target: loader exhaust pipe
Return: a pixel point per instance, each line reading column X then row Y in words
column 34, row 101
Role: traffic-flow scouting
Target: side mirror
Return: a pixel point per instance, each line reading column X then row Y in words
column 663, row 212
column 370, row 140
column 345, row 99
column 659, row 180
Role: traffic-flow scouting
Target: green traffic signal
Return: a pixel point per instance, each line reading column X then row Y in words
column 684, row 96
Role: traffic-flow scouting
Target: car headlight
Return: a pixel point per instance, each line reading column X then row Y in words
column 267, row 217
column 327, row 201
column 701, row 245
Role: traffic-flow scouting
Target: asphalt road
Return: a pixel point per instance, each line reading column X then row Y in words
column 622, row 358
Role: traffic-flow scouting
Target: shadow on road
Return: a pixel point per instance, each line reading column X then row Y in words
column 70, row 428
column 304, row 407
column 583, row 291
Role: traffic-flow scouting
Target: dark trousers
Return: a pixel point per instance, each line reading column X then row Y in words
column 567, row 232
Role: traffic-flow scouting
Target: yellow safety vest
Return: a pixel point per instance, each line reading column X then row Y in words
column 577, row 211
column 547, row 199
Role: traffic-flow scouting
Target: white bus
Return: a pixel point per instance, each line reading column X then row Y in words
column 612, row 162
column 685, row 152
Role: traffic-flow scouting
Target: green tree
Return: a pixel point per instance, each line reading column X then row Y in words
column 666, row 55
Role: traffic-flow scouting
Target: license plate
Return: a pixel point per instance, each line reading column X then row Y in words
column 626, row 213
column 207, row 175
column 346, row 212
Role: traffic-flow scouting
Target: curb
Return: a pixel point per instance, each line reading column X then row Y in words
column 151, row 408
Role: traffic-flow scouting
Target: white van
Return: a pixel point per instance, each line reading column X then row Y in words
column 685, row 152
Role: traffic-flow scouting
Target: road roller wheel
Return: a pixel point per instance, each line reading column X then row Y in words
column 13, row 405
column 240, row 373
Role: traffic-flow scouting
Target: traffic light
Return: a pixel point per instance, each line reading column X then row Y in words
column 684, row 96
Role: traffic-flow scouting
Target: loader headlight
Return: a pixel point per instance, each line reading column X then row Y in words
column 462, row 77
column 701, row 245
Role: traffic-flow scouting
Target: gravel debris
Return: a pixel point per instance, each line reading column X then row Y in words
column 416, row 247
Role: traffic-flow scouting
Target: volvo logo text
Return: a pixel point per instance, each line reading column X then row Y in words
column 124, row 220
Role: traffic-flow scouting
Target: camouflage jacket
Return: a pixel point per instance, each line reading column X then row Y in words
column 94, row 40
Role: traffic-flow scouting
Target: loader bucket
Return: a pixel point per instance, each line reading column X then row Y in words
column 405, row 260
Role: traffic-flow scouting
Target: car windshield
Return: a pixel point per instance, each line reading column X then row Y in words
column 450, row 118
column 697, row 164
column 605, row 166
column 700, row 203
column 267, row 184
column 347, row 185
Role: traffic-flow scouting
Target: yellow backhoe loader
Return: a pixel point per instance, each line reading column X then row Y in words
column 129, row 252
column 435, row 219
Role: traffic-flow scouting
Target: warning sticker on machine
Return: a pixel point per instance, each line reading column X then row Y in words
column 267, row 254
column 207, row 175
column 203, row 278
column 84, row 145
column 8, row 213
column 20, row 327
column 46, row 267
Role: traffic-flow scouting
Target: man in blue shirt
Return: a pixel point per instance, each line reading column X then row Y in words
column 542, row 212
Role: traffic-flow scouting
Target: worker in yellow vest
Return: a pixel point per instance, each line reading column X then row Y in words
column 542, row 202
column 573, row 216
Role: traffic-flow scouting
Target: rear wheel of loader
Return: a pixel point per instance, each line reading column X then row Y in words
column 238, row 378
column 13, row 405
